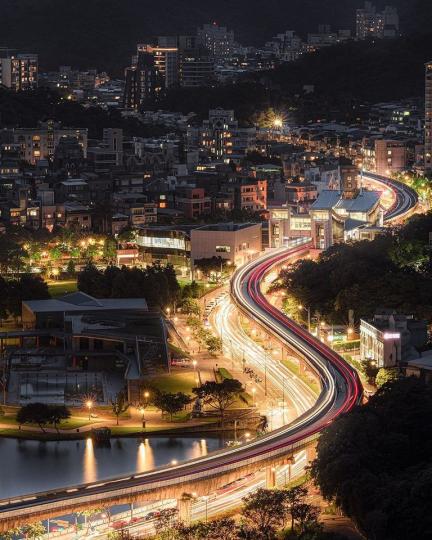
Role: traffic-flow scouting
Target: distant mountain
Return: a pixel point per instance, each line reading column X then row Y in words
column 103, row 33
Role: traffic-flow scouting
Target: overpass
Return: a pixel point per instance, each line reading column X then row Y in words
column 341, row 390
column 406, row 198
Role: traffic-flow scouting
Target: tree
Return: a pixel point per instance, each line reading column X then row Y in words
column 171, row 403
column 213, row 344
column 33, row 531
column 386, row 375
column 211, row 265
column 190, row 307
column 224, row 528
column 27, row 287
column 11, row 255
column 119, row 405
column 110, row 249
column 92, row 281
column 306, row 518
column 375, row 462
column 10, row 534
column 57, row 413
column 264, row 512
column 219, row 395
column 34, row 413
column 71, row 267
column 294, row 497
column 165, row 521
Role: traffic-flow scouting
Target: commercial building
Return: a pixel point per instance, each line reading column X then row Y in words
column 390, row 339
column 333, row 216
column 234, row 242
column 78, row 345
column 19, row 72
column 428, row 119
column 217, row 39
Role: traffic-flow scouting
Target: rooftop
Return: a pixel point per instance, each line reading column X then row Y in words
column 228, row 227
column 80, row 301
column 329, row 199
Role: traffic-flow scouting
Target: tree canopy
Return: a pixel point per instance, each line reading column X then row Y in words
column 391, row 271
column 156, row 283
column 376, row 464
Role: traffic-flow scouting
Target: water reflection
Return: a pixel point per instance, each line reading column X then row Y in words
column 89, row 465
column 37, row 466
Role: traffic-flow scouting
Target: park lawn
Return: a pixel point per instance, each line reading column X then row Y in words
column 59, row 288
column 176, row 381
column 74, row 422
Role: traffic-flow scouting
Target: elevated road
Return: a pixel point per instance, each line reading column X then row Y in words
column 341, row 391
column 406, row 198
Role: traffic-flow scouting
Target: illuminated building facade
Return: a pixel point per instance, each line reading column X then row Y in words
column 19, row 72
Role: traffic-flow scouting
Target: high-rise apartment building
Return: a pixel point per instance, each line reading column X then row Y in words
column 428, row 119
column 141, row 81
column 373, row 24
column 196, row 67
column 166, row 60
column 217, row 39
column 19, row 72
column 221, row 138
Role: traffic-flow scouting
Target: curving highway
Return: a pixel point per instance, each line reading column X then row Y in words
column 341, row 390
column 406, row 198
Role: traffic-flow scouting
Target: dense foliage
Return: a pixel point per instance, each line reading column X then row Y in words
column 376, row 462
column 391, row 271
column 156, row 283
column 26, row 109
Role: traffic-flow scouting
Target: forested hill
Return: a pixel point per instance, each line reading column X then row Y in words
column 103, row 33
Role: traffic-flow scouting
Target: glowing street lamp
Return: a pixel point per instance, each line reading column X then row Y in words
column 253, row 394
column 277, row 123
column 194, row 363
column 89, row 405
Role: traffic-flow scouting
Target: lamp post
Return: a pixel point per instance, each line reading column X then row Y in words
column 89, row 406
column 206, row 498
column 309, row 316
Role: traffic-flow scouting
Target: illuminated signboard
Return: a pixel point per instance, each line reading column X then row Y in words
column 162, row 243
column 388, row 335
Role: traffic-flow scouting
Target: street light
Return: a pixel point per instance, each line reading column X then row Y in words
column 89, row 405
column 142, row 411
column 309, row 316
column 206, row 498
column 194, row 363
column 253, row 395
